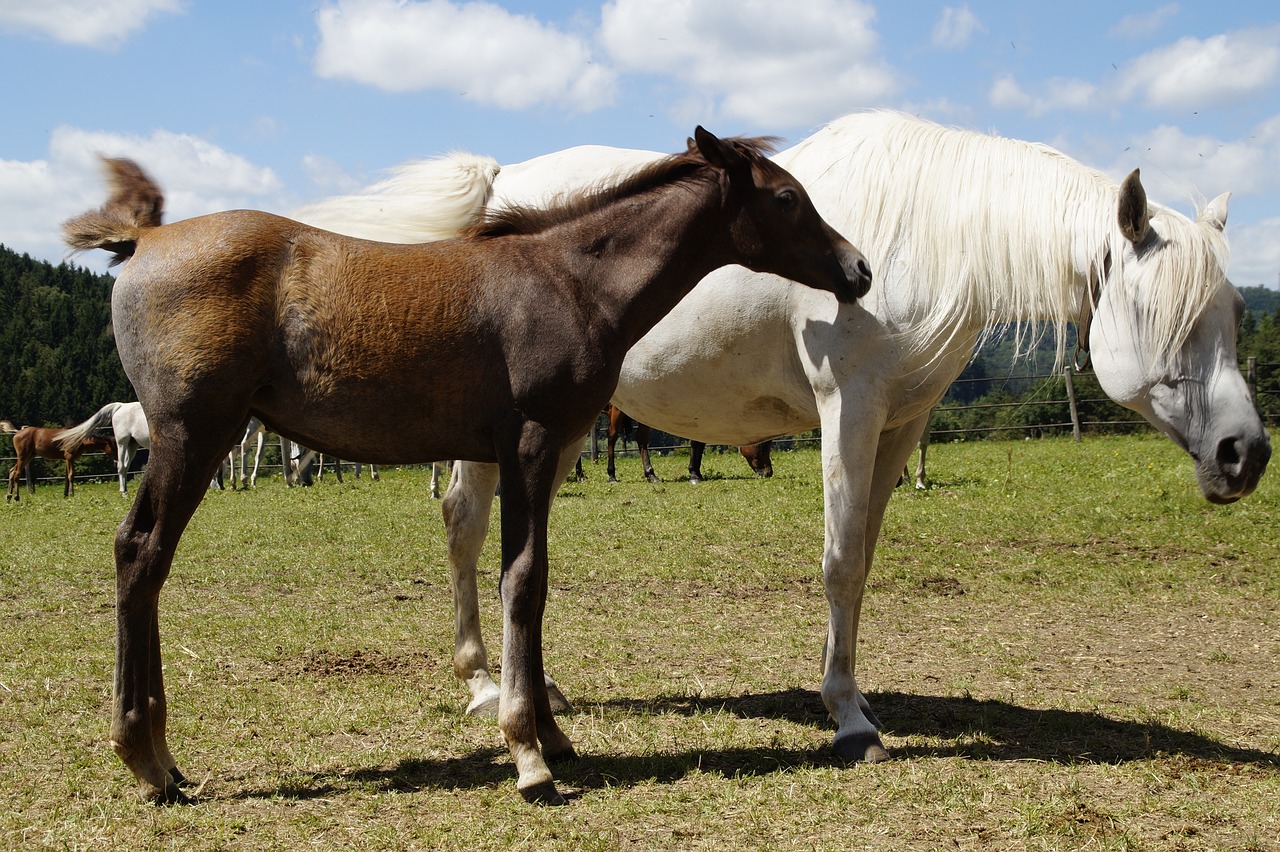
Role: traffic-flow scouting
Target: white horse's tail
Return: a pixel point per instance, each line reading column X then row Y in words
column 71, row 438
column 422, row 202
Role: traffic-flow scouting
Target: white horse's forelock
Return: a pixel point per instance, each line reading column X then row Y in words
column 1013, row 229
column 393, row 210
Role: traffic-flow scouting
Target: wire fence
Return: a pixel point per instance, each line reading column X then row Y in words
column 1040, row 409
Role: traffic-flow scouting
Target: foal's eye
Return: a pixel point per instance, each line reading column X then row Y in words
column 788, row 198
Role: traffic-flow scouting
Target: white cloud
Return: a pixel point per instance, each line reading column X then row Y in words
column 92, row 23
column 1141, row 25
column 1199, row 167
column 760, row 61
column 955, row 28
column 1194, row 73
column 1255, row 253
column 1058, row 93
column 196, row 176
column 478, row 51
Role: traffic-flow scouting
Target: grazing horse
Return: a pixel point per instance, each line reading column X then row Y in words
column 965, row 231
column 500, row 347
column 757, row 455
column 32, row 442
column 128, row 425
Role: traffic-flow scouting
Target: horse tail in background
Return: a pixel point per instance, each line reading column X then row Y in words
column 7, row 427
column 70, row 439
column 457, row 187
column 134, row 205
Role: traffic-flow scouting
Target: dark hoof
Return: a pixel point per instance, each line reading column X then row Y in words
column 543, row 794
column 860, row 748
column 566, row 756
column 172, row 796
column 178, row 778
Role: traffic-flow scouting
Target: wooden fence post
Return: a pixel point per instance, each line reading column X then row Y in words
column 1251, row 377
column 1071, row 401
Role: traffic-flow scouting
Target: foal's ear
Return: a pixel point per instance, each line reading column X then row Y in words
column 717, row 152
column 1134, row 220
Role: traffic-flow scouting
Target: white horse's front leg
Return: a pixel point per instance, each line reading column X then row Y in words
column 849, row 445
column 860, row 472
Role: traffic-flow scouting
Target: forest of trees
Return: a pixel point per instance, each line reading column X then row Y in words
column 58, row 362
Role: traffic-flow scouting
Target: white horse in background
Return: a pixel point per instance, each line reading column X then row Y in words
column 963, row 231
column 128, row 424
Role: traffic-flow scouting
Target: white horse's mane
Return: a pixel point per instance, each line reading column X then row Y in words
column 991, row 230
column 455, row 187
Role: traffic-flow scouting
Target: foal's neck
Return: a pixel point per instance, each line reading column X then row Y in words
column 653, row 250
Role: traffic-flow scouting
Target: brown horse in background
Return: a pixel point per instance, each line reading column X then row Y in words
column 32, row 442
column 501, row 346
column 758, row 456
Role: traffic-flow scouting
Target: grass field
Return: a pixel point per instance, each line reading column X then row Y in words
column 1069, row 649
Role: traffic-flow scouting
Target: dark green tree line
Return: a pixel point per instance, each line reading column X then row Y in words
column 58, row 361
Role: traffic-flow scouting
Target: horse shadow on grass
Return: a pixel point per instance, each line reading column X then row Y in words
column 977, row 729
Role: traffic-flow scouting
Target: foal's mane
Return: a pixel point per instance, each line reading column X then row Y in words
column 675, row 169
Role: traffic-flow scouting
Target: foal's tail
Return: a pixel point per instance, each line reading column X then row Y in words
column 136, row 204
column 71, row 439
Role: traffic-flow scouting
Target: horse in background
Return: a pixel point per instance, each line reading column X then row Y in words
column 32, row 442
column 129, row 428
column 758, row 455
column 966, row 231
column 500, row 346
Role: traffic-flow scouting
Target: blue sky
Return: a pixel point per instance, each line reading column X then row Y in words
column 273, row 103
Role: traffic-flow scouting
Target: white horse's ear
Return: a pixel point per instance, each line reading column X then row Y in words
column 718, row 153
column 1215, row 213
column 1134, row 220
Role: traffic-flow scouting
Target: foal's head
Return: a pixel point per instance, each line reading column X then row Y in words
column 777, row 229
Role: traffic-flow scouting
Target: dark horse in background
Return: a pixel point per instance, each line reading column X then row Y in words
column 32, row 442
column 501, row 346
column 758, row 456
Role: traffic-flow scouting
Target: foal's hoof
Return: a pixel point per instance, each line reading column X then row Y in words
column 860, row 748
column 178, row 778
column 542, row 793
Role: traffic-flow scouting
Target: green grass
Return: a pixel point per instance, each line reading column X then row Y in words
column 1068, row 646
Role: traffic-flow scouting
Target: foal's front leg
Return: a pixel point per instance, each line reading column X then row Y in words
column 467, row 508
column 529, row 472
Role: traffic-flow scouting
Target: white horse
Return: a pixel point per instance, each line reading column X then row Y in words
column 963, row 231
column 128, row 423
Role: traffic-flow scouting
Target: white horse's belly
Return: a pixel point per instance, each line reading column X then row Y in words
column 721, row 367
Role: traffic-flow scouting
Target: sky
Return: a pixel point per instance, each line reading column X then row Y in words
column 271, row 104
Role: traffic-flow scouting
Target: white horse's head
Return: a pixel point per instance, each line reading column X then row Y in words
column 1163, row 340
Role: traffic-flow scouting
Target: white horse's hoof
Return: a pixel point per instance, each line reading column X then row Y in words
column 484, row 704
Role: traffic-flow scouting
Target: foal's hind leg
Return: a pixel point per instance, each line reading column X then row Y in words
column 176, row 480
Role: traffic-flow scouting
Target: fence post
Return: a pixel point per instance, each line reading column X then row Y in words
column 1071, row 401
column 1252, row 378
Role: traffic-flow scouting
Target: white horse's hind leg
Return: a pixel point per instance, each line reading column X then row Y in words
column 468, row 502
